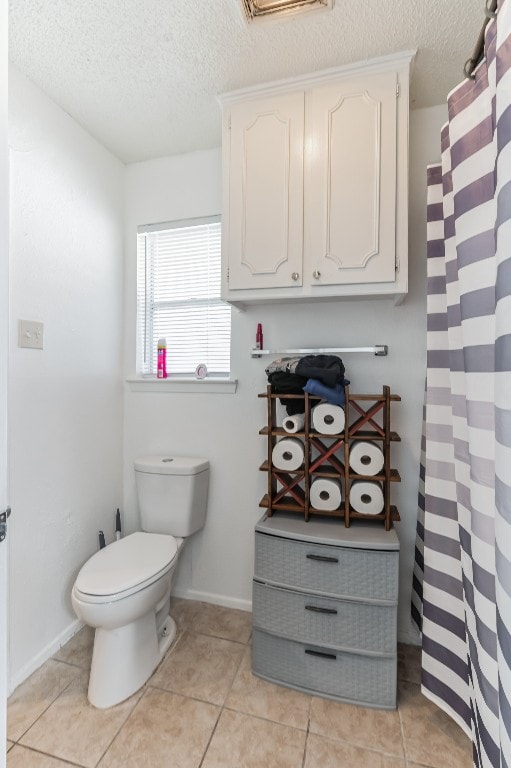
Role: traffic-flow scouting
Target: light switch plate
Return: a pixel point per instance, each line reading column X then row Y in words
column 30, row 334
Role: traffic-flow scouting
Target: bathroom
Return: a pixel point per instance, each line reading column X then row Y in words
column 76, row 422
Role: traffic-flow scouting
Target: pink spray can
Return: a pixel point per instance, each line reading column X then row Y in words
column 162, row 359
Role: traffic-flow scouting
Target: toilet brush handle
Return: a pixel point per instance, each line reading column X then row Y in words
column 117, row 525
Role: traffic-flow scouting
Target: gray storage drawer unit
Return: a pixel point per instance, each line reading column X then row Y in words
column 325, row 608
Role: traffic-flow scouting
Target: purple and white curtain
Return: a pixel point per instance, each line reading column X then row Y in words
column 462, row 581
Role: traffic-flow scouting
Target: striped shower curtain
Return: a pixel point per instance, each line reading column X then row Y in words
column 462, row 580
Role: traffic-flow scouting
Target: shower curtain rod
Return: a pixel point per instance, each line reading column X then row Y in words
column 478, row 54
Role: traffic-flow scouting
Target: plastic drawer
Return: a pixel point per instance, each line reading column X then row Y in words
column 324, row 620
column 354, row 678
column 362, row 574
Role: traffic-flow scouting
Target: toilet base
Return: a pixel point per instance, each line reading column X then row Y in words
column 123, row 659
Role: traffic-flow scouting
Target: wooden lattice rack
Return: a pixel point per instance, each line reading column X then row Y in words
column 367, row 417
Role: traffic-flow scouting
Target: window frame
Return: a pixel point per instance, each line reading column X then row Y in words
column 146, row 305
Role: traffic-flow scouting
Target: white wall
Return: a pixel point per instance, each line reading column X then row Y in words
column 65, row 401
column 4, row 341
column 218, row 562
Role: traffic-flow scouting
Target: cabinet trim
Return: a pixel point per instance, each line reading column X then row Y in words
column 378, row 64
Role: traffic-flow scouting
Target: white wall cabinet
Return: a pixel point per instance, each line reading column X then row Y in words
column 316, row 185
column 266, row 192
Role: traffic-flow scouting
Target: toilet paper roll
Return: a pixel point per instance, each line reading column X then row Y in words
column 294, row 423
column 325, row 494
column 328, row 419
column 288, row 454
column 366, row 458
column 366, row 497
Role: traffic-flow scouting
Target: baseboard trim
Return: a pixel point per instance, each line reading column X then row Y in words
column 215, row 599
column 47, row 652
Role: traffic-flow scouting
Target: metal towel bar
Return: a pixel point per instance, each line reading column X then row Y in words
column 380, row 350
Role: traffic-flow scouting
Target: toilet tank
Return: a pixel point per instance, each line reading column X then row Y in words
column 172, row 493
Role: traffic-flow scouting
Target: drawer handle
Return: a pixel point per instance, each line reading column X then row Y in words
column 322, row 654
column 323, row 558
column 319, row 609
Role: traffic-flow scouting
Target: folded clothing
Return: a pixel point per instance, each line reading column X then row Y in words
column 335, row 395
column 328, row 369
column 284, row 364
column 289, row 384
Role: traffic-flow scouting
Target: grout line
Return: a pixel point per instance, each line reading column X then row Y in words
column 402, row 732
column 71, row 664
column 220, row 637
column 48, row 754
column 114, row 737
column 221, row 709
column 17, row 741
column 307, row 734
column 267, row 720
column 362, row 747
column 172, row 691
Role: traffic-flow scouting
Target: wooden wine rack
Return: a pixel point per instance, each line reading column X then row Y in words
column 367, row 418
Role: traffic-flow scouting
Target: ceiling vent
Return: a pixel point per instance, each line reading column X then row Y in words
column 267, row 9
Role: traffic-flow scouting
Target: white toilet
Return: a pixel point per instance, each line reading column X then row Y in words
column 124, row 589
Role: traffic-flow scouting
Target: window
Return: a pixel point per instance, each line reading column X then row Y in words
column 178, row 298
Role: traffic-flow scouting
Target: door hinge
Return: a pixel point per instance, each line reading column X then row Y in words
column 397, row 264
column 227, row 274
column 3, row 523
column 398, row 89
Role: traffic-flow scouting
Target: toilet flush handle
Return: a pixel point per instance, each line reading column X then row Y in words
column 3, row 523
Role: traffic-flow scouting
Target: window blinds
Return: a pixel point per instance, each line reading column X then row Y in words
column 178, row 298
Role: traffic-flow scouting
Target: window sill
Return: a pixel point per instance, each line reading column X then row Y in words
column 212, row 386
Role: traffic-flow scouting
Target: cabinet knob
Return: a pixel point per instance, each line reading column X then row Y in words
column 316, row 274
column 295, row 276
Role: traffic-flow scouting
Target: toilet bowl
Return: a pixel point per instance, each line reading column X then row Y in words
column 123, row 591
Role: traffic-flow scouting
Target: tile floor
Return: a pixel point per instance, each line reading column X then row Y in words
column 203, row 708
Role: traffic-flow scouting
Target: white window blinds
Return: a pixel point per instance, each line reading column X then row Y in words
column 178, row 298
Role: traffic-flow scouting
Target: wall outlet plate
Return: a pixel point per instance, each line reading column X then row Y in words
column 30, row 334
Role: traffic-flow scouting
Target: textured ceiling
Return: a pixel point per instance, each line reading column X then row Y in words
column 142, row 75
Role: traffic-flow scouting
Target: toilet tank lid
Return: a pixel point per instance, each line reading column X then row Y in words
column 166, row 464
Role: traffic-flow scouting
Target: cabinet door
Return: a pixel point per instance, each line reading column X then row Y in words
column 266, row 193
column 353, row 181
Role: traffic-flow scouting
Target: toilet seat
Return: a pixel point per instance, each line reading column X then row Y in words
column 126, row 566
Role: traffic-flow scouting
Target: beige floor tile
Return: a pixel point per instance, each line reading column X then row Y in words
column 429, row 734
column 73, row 730
column 257, row 697
column 163, row 730
column 242, row 741
column 200, row 666
column 409, row 663
column 184, row 611
column 21, row 757
column 325, row 753
column 78, row 651
column 228, row 623
column 10, row 745
column 374, row 729
column 35, row 695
